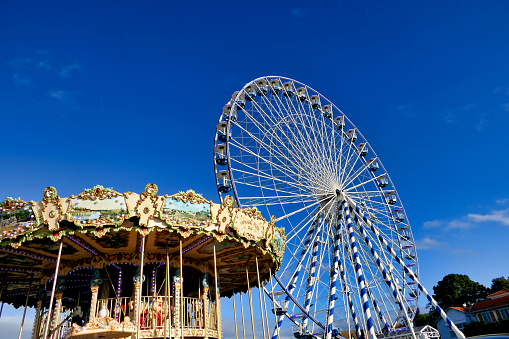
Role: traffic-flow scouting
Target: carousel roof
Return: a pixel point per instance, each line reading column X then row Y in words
column 100, row 227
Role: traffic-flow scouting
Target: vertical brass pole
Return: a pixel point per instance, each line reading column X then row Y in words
column 46, row 329
column 26, row 304
column 242, row 313
column 2, row 291
column 250, row 302
column 167, row 288
column 141, row 287
column 260, row 292
column 235, row 315
column 181, row 292
column 273, row 303
column 218, row 316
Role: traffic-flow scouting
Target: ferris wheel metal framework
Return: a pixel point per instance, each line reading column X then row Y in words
column 350, row 260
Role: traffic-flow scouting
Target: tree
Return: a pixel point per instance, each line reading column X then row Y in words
column 498, row 284
column 423, row 319
column 458, row 290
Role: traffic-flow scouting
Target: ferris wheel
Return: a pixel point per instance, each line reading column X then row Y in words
column 350, row 262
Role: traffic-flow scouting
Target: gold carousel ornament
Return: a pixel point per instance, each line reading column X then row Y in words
column 127, row 265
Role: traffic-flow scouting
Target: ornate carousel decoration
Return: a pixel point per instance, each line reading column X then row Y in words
column 104, row 264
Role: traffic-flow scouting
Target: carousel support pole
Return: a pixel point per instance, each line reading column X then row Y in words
column 37, row 323
column 2, row 291
column 234, row 314
column 205, row 296
column 266, row 316
column 139, row 290
column 181, row 292
column 26, row 304
column 218, row 309
column 94, row 288
column 119, row 289
column 250, row 302
column 260, row 292
column 46, row 328
column 242, row 314
column 58, row 305
column 273, row 301
column 167, row 325
column 176, row 306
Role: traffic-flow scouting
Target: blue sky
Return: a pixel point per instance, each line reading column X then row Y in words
column 124, row 93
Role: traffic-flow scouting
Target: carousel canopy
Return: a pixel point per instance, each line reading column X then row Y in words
column 101, row 227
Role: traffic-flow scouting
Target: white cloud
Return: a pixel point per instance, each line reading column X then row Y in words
column 68, row 70
column 21, row 80
column 298, row 12
column 39, row 60
column 433, row 244
column 498, row 216
column 506, row 106
column 447, row 225
column 458, row 224
column 60, row 95
column 481, row 124
column 428, row 243
column 502, row 201
column 433, row 223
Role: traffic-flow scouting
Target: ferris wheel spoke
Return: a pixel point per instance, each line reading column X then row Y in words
column 285, row 178
column 260, row 142
column 283, row 118
column 302, row 113
column 276, row 126
column 271, row 177
column 281, row 167
column 321, row 145
column 350, row 178
column 347, row 179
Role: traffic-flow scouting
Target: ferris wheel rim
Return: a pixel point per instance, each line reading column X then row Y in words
column 231, row 169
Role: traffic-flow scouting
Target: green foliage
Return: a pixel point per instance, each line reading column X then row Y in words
column 458, row 290
column 423, row 319
column 480, row 328
column 498, row 284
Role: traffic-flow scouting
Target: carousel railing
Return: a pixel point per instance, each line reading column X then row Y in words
column 157, row 312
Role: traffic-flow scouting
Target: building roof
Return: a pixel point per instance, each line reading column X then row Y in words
column 490, row 303
column 498, row 293
column 462, row 309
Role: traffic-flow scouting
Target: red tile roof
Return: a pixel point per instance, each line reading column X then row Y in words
column 490, row 303
column 506, row 290
column 462, row 309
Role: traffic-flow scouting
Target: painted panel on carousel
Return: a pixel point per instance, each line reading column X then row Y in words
column 225, row 244
column 115, row 240
column 18, row 260
column 278, row 243
column 186, row 213
column 97, row 207
column 16, row 217
column 50, row 247
column 250, row 224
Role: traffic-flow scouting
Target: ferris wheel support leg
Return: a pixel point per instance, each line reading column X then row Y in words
column 386, row 276
column 293, row 281
column 409, row 272
column 358, row 272
column 311, row 277
column 334, row 278
column 348, row 296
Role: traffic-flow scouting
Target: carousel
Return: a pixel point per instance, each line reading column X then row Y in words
column 104, row 264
